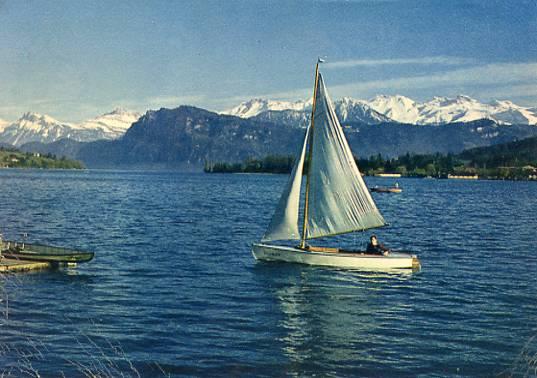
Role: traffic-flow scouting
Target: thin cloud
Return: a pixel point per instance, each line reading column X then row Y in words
column 85, row 110
column 174, row 100
column 489, row 75
column 521, row 94
column 444, row 60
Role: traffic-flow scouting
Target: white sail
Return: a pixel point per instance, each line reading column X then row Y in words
column 339, row 201
column 284, row 223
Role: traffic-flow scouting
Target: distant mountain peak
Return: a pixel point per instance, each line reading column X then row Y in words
column 113, row 124
column 505, row 103
column 118, row 110
column 395, row 96
column 38, row 117
column 256, row 106
column 351, row 101
column 400, row 99
column 36, row 127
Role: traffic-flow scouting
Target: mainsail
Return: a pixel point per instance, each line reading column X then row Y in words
column 339, row 201
column 284, row 223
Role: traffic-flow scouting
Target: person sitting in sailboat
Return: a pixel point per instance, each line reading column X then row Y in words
column 374, row 247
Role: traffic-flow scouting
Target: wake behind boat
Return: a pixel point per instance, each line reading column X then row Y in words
column 336, row 200
column 386, row 189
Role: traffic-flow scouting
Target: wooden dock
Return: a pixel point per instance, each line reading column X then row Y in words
column 13, row 265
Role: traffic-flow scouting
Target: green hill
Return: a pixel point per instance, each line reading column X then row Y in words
column 12, row 158
column 512, row 154
column 514, row 161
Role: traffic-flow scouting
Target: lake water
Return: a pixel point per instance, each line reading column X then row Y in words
column 174, row 289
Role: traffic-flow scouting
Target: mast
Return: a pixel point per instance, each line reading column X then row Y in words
column 310, row 151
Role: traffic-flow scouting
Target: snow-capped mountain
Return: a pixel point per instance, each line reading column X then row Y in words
column 439, row 110
column 112, row 125
column 442, row 110
column 257, row 105
column 292, row 118
column 507, row 112
column 351, row 110
column 34, row 127
column 298, row 113
column 397, row 108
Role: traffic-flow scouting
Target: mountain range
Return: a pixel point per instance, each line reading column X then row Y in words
column 34, row 127
column 401, row 109
column 182, row 138
column 186, row 137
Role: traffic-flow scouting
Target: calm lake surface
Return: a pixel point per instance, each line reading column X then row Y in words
column 174, row 287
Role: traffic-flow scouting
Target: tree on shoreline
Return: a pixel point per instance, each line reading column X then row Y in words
column 510, row 161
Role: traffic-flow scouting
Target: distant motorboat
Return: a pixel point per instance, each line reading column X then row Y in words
column 463, row 177
column 388, row 175
column 386, row 189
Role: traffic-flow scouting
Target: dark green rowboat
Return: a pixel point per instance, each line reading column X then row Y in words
column 36, row 252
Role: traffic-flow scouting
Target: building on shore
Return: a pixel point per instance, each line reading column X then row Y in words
column 463, row 177
column 388, row 175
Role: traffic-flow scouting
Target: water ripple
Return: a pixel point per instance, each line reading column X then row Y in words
column 174, row 285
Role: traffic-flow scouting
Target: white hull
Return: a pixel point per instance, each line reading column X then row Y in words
column 394, row 260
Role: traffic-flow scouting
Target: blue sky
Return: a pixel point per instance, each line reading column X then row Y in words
column 77, row 59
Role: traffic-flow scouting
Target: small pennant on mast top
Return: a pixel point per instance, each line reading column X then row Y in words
column 320, row 60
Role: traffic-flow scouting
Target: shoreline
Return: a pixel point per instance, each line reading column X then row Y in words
column 392, row 178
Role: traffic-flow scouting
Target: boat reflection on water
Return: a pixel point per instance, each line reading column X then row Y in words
column 337, row 321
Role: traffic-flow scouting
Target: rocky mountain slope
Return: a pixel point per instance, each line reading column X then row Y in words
column 187, row 137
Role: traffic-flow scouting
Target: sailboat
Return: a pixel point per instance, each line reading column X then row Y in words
column 336, row 200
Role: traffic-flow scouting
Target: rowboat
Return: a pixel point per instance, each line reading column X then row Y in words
column 37, row 252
